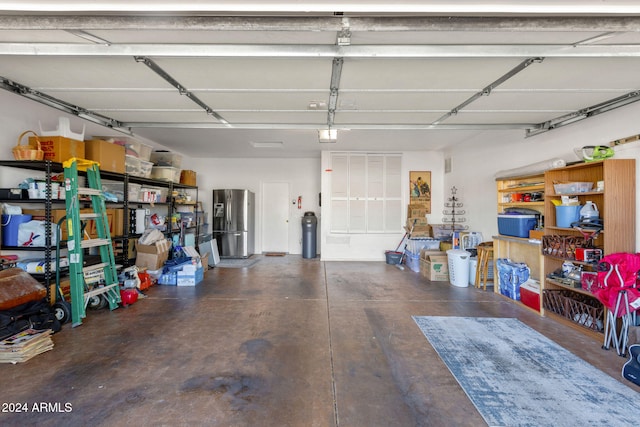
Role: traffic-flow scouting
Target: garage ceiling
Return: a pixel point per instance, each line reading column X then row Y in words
column 223, row 86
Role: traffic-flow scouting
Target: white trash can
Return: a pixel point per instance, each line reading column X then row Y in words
column 473, row 266
column 458, row 260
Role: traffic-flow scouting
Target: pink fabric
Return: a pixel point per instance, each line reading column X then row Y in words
column 608, row 288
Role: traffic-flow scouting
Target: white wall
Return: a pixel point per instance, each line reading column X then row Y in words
column 475, row 162
column 303, row 176
column 371, row 247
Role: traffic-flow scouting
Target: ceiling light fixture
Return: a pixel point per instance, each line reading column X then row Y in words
column 327, row 135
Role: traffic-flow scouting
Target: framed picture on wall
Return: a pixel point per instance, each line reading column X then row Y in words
column 420, row 189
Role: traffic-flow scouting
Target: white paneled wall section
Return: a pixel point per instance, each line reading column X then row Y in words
column 342, row 241
column 365, row 193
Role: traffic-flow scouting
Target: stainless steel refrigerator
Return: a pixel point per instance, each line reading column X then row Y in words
column 233, row 222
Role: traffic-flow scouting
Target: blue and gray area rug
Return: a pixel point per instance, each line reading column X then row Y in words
column 518, row 377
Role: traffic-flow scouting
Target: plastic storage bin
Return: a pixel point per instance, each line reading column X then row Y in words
column 393, row 257
column 134, row 192
column 115, row 188
column 166, row 173
column 458, row 261
column 166, row 158
column 516, row 225
column 412, row 260
column 415, row 245
column 132, row 165
column 145, row 168
column 573, row 187
column 133, row 147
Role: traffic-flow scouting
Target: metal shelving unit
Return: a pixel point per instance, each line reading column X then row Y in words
column 50, row 168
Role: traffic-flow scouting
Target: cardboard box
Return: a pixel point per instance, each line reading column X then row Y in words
column 204, row 260
column 58, row 148
column 190, row 275
column 420, row 231
column 435, row 268
column 417, row 222
column 110, row 156
column 188, row 177
column 536, row 234
column 426, row 253
column 90, row 225
column 154, row 256
column 417, row 211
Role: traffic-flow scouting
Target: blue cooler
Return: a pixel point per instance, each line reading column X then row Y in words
column 516, row 225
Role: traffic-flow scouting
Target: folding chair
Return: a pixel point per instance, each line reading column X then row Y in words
column 617, row 290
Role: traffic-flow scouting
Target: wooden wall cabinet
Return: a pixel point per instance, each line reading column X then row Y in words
column 616, row 204
column 515, row 248
column 510, row 188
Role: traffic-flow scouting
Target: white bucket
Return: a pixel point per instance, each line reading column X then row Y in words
column 458, row 267
column 473, row 266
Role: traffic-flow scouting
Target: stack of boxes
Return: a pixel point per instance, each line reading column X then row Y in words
column 187, row 271
column 429, row 261
column 417, row 218
column 417, row 226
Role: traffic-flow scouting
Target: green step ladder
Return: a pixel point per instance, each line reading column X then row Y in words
column 81, row 288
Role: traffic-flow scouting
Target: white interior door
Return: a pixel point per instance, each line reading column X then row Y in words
column 275, row 214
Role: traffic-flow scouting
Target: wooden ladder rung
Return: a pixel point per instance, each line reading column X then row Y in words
column 98, row 291
column 90, row 215
column 95, row 267
column 92, row 243
column 89, row 191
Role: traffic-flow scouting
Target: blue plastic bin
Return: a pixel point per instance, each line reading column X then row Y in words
column 412, row 261
column 516, row 225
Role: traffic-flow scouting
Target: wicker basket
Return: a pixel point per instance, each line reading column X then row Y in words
column 27, row 152
column 562, row 246
column 582, row 309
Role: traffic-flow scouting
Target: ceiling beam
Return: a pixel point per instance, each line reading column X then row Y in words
column 303, row 126
column 585, row 113
column 487, row 90
column 332, row 105
column 322, row 23
column 182, row 90
column 320, row 51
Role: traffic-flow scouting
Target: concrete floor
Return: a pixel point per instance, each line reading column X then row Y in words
column 288, row 342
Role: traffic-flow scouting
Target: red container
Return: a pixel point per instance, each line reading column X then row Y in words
column 128, row 296
column 145, row 281
column 530, row 295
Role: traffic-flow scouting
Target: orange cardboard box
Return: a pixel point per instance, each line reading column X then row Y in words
column 90, row 227
column 58, row 148
column 110, row 156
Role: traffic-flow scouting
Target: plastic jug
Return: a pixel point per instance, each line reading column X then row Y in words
column 589, row 212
